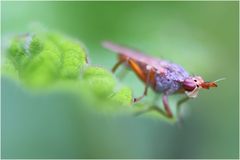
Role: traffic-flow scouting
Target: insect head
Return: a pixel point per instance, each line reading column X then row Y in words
column 192, row 85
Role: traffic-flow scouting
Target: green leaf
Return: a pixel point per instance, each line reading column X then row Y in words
column 100, row 81
column 123, row 96
column 44, row 58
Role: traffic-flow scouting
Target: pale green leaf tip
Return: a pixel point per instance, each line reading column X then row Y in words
column 123, row 96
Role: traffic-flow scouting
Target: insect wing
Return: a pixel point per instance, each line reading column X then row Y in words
column 136, row 55
column 123, row 50
column 165, row 68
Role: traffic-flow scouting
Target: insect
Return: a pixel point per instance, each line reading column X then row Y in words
column 161, row 75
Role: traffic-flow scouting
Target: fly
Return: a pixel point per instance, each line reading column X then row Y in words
column 161, row 75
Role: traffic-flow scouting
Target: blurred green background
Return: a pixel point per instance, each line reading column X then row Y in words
column 200, row 36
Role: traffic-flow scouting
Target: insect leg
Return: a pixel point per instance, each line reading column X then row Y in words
column 123, row 73
column 179, row 103
column 154, row 108
column 168, row 112
column 137, row 69
column 117, row 65
column 145, row 89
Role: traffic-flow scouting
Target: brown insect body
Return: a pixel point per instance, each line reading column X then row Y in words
column 163, row 76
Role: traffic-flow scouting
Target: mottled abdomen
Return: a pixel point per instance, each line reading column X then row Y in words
column 171, row 80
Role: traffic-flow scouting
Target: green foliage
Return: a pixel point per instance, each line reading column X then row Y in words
column 122, row 96
column 51, row 60
column 9, row 69
column 99, row 81
column 40, row 61
column 101, row 84
column 43, row 60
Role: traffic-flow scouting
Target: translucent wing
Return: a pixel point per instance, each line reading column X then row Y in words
column 136, row 55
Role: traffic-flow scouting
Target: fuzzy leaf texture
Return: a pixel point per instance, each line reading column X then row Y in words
column 48, row 59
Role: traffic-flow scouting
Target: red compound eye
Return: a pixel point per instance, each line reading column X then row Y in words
column 189, row 84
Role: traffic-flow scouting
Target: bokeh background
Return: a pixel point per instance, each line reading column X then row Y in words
column 200, row 36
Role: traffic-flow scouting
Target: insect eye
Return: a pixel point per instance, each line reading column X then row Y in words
column 189, row 85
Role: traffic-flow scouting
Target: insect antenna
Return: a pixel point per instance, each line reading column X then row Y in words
column 220, row 79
